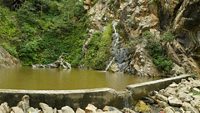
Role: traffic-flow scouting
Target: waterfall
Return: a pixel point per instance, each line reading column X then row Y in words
column 115, row 42
column 116, row 35
column 110, row 63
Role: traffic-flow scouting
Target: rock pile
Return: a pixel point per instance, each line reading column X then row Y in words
column 179, row 98
column 24, row 107
column 60, row 63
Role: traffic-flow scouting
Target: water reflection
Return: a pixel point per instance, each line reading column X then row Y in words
column 51, row 79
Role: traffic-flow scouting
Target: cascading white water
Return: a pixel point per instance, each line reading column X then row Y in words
column 115, row 42
column 115, row 35
column 110, row 63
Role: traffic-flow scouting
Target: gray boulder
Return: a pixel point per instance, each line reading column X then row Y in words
column 174, row 101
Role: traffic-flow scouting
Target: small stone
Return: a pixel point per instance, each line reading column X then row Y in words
column 161, row 97
column 99, row 110
column 162, row 104
column 128, row 110
column 174, row 101
column 111, row 109
column 169, row 110
column 196, row 90
column 189, row 107
column 173, row 85
column 185, row 97
column 191, row 79
column 142, row 107
column 59, row 111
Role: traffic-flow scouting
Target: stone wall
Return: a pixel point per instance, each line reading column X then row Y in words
column 81, row 98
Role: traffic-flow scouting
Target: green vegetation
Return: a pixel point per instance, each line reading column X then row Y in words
column 39, row 31
column 98, row 49
column 167, row 37
column 158, row 53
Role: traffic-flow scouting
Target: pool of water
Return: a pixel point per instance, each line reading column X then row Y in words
column 56, row 79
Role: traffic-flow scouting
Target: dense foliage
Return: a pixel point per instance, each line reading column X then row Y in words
column 98, row 49
column 39, row 31
column 158, row 52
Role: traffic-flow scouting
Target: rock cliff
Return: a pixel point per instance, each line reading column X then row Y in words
column 174, row 25
column 6, row 60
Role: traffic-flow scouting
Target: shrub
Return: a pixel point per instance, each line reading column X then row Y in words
column 167, row 37
column 10, row 49
column 158, row 54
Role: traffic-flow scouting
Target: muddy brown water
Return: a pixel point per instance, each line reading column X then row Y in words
column 56, row 79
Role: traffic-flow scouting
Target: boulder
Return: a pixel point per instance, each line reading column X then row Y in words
column 60, row 63
column 67, row 109
column 161, row 97
column 45, row 108
column 16, row 110
column 111, row 109
column 184, row 97
column 142, row 107
column 173, row 85
column 169, row 110
column 128, row 110
column 79, row 110
column 162, row 104
column 33, row 110
column 174, row 101
column 169, row 91
column 24, row 103
column 90, row 108
column 4, row 108
column 189, row 107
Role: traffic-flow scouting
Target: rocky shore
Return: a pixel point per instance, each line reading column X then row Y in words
column 24, row 107
column 183, row 97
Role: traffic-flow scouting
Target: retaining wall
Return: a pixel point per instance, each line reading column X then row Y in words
column 80, row 98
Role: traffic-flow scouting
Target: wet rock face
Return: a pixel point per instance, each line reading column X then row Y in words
column 133, row 17
column 186, row 24
column 6, row 60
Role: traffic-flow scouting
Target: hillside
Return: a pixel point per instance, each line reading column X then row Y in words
column 140, row 37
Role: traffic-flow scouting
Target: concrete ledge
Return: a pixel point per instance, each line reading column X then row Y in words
column 80, row 98
column 59, row 98
column 142, row 89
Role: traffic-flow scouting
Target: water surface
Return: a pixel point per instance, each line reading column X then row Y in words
column 55, row 79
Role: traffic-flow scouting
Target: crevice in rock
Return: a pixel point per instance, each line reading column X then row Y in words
column 164, row 17
column 176, row 9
